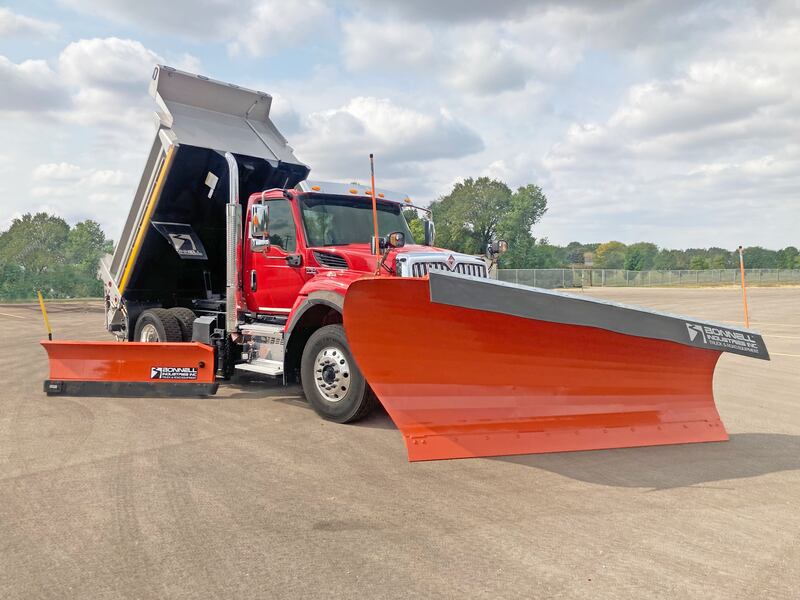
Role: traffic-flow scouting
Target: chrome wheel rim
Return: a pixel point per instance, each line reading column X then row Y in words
column 149, row 334
column 332, row 374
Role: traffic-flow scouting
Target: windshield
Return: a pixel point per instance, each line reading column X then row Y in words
column 337, row 221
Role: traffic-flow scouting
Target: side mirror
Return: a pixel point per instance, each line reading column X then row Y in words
column 429, row 232
column 495, row 249
column 259, row 227
column 259, row 221
column 396, row 239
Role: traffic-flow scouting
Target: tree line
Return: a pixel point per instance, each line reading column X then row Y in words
column 43, row 252
column 478, row 211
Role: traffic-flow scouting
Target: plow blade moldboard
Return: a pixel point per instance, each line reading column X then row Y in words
column 129, row 369
column 468, row 367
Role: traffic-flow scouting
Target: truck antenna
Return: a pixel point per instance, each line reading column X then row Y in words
column 374, row 205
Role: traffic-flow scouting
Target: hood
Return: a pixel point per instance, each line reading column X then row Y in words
column 359, row 257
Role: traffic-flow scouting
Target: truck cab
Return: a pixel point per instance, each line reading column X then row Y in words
column 302, row 249
column 324, row 230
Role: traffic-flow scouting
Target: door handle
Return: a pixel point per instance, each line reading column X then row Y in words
column 294, row 260
column 253, row 281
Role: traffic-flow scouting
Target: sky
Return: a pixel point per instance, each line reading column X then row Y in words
column 672, row 122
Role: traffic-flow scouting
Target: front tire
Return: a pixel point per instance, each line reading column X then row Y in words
column 157, row 325
column 332, row 382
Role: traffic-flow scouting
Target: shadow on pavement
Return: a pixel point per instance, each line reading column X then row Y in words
column 665, row 467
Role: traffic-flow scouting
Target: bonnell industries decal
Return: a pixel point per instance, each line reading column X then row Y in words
column 721, row 337
column 173, row 373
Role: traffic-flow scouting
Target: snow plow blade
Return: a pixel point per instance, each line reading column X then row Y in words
column 470, row 367
column 129, row 369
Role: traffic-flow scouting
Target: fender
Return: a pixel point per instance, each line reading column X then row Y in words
column 332, row 299
column 326, row 289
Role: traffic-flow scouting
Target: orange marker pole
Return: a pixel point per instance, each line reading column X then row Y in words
column 374, row 207
column 744, row 288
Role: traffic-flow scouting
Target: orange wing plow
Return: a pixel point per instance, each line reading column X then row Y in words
column 129, row 369
column 468, row 367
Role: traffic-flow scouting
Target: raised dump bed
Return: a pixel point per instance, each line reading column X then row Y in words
column 179, row 243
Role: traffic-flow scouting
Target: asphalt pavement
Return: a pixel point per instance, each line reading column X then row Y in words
column 250, row 495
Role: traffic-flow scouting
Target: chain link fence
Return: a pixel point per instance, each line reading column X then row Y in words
column 577, row 278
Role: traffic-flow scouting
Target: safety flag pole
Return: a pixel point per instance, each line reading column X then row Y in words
column 44, row 314
column 744, row 287
column 374, row 207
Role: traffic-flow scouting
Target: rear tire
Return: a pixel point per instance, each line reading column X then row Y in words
column 157, row 325
column 185, row 317
column 332, row 382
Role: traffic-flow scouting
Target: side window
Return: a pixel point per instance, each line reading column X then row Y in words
column 282, row 231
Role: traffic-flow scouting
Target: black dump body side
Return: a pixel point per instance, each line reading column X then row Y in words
column 160, row 275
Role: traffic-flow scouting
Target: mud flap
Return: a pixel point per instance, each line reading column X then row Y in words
column 461, row 377
column 129, row 369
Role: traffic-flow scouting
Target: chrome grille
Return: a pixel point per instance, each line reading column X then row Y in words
column 471, row 269
column 330, row 260
column 419, row 269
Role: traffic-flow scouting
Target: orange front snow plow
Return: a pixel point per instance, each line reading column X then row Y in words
column 471, row 367
column 129, row 369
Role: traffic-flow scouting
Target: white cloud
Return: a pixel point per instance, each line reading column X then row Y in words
column 56, row 171
column 12, row 24
column 337, row 141
column 66, row 179
column 638, row 118
column 255, row 27
column 276, row 24
column 449, row 10
column 715, row 142
column 30, row 85
column 387, row 45
column 107, row 63
column 484, row 58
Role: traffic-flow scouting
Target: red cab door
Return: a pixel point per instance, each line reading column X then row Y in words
column 272, row 280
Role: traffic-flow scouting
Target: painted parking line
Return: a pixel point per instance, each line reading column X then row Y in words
column 774, row 324
column 2, row 314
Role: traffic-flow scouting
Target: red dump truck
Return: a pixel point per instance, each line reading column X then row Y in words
column 232, row 260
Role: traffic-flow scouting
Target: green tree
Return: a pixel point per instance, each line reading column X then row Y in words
column 640, row 256
column 756, row 257
column 610, row 255
column 671, row 259
column 467, row 218
column 698, row 263
column 479, row 211
column 41, row 251
column 415, row 225
column 526, row 208
column 719, row 261
column 787, row 258
column 35, row 242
